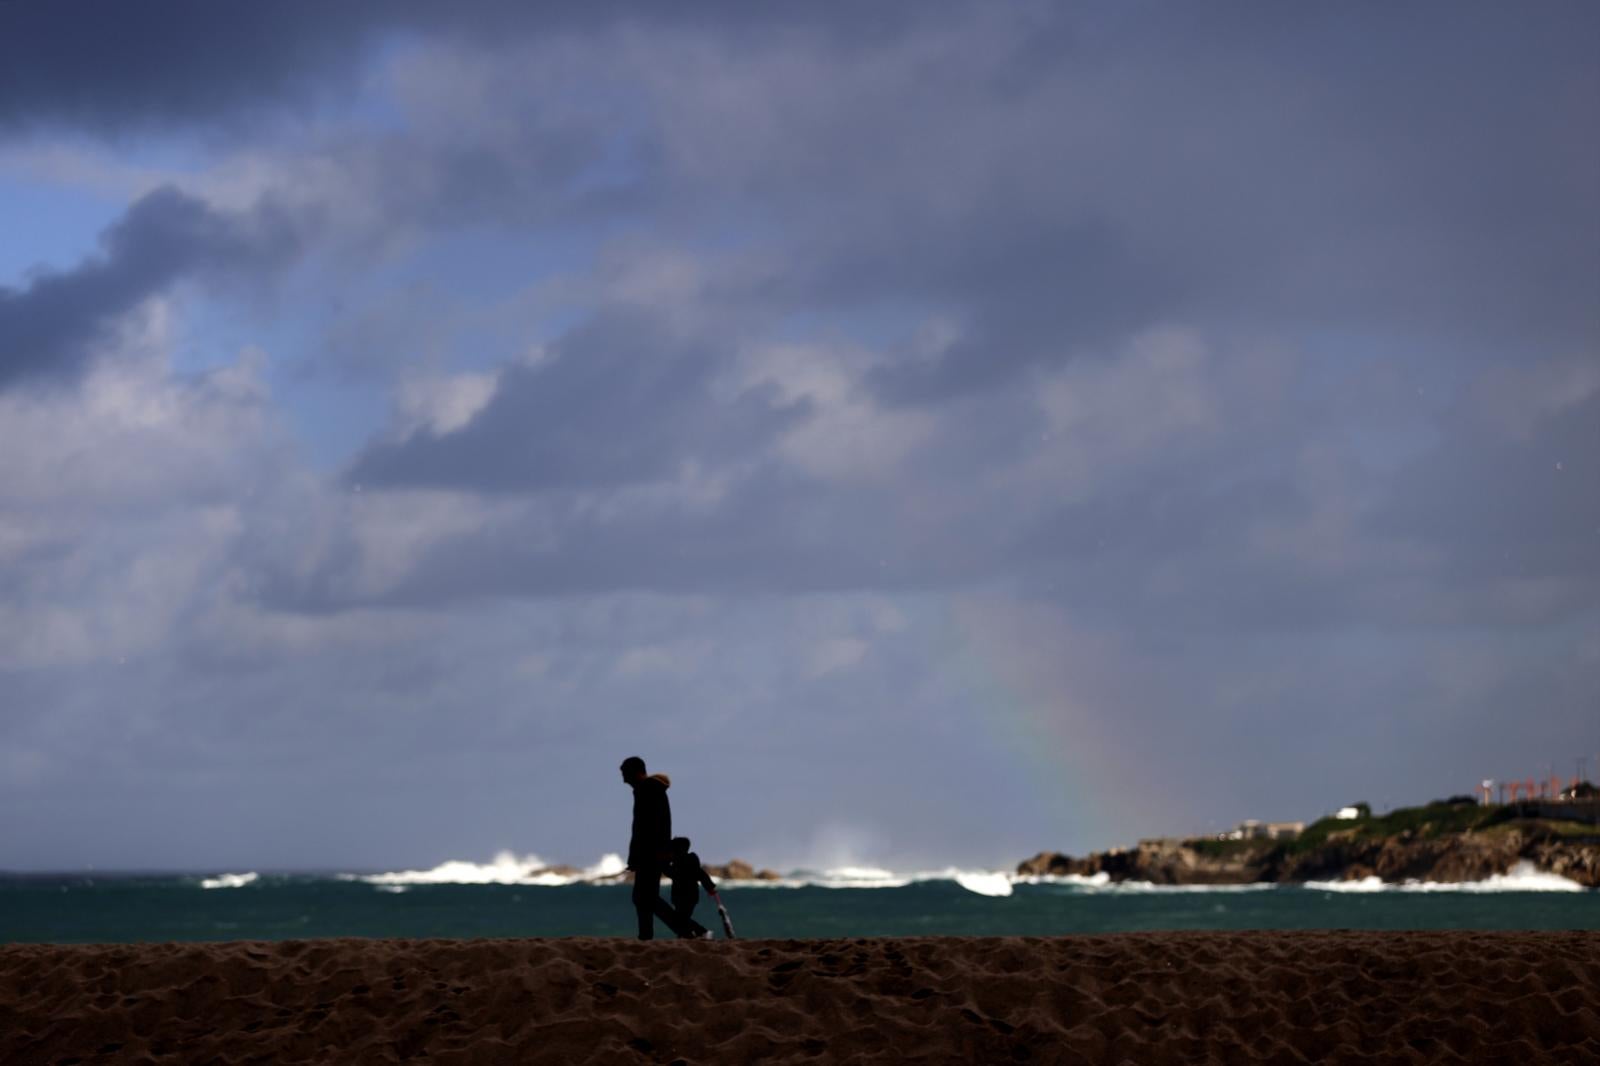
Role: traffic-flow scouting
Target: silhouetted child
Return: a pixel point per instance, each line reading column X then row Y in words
column 687, row 876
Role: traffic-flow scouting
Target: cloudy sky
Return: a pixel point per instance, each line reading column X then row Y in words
column 929, row 432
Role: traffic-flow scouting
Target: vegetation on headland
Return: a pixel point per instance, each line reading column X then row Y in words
column 1224, row 848
column 1448, row 840
column 1437, row 819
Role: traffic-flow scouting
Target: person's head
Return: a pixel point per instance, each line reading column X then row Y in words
column 680, row 846
column 632, row 769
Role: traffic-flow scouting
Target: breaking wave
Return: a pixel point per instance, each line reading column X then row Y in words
column 982, row 882
column 508, row 868
column 985, row 884
column 230, row 880
column 1102, row 883
column 1523, row 877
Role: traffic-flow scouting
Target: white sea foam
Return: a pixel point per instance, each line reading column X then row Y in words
column 1523, row 877
column 985, row 884
column 1099, row 880
column 507, row 868
column 1149, row 887
column 1102, row 883
column 610, row 865
column 1364, row 884
column 229, row 880
column 834, row 877
column 869, row 874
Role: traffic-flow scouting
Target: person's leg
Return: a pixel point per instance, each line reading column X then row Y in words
column 647, row 887
column 687, row 926
column 668, row 916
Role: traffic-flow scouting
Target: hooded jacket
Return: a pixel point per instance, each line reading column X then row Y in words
column 652, row 823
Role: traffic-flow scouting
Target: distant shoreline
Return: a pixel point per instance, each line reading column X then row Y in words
column 1446, row 842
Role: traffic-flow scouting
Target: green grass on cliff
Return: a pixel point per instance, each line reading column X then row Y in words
column 1231, row 849
column 1428, row 823
column 1434, row 820
column 1423, row 823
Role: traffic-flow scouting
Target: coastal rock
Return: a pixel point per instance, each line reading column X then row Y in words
column 739, row 870
column 1575, row 862
column 1344, row 855
column 560, row 870
column 1047, row 864
column 1161, row 862
column 1454, row 858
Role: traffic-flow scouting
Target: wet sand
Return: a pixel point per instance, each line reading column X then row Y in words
column 1139, row 998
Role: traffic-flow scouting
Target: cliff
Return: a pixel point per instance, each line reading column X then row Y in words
column 1440, row 842
column 1161, row 862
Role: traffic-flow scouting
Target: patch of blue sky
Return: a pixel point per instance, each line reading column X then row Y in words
column 332, row 420
column 48, row 226
column 487, row 263
column 59, row 193
column 627, row 161
column 330, row 415
column 374, row 104
column 490, row 281
column 336, row 338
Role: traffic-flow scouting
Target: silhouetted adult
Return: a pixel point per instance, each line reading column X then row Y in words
column 650, row 846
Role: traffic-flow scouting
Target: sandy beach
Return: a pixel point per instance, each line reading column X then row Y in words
column 1139, row 998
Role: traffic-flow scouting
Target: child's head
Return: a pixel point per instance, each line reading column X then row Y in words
column 680, row 846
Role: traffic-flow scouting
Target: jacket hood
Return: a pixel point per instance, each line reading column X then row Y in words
column 661, row 779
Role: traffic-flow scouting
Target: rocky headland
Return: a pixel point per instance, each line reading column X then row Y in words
column 1440, row 842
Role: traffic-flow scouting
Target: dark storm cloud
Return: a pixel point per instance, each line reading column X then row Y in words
column 49, row 327
column 109, row 66
column 618, row 401
column 1512, row 523
column 1352, row 170
column 1050, row 178
column 971, row 215
column 178, row 63
column 775, row 534
column 1051, row 183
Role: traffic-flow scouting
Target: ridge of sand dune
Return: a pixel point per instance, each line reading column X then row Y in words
column 1142, row 998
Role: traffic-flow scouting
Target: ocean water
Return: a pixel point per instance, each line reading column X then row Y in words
column 463, row 900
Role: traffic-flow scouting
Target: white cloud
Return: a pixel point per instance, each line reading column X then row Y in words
column 101, row 173
column 679, row 659
column 443, row 404
column 121, row 498
column 845, row 437
column 839, row 653
column 133, row 431
column 1105, row 415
